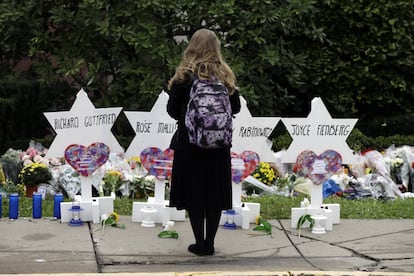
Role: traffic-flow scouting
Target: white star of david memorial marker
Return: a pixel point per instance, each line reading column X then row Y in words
column 83, row 124
column 319, row 132
column 152, row 129
column 252, row 133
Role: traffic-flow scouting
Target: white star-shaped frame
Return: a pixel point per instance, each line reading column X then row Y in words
column 252, row 133
column 319, row 132
column 152, row 129
column 83, row 124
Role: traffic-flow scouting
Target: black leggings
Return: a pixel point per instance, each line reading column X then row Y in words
column 212, row 219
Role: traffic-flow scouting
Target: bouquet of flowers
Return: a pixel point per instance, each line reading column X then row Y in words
column 169, row 231
column 135, row 162
column 33, row 155
column 143, row 186
column 112, row 180
column 34, row 174
column 112, row 220
column 11, row 164
column 2, row 176
column 395, row 165
column 286, row 184
column 264, row 173
column 263, row 226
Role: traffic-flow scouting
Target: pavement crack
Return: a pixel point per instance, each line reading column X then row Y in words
column 98, row 260
column 397, row 259
column 286, row 232
column 353, row 251
column 377, row 262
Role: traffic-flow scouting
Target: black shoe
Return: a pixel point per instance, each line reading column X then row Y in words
column 208, row 249
column 196, row 249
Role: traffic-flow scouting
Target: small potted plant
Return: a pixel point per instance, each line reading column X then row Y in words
column 34, row 174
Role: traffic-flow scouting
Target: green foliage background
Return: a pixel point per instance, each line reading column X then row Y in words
column 357, row 55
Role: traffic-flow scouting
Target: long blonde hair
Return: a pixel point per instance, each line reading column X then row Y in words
column 203, row 58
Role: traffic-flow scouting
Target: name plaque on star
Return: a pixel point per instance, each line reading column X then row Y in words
column 252, row 133
column 320, row 129
column 84, row 121
column 153, row 128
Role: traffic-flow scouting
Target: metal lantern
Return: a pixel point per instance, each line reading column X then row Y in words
column 75, row 209
column 229, row 224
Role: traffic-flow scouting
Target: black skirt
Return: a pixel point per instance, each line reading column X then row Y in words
column 201, row 180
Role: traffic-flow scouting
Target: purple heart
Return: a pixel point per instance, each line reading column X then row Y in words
column 243, row 165
column 158, row 162
column 86, row 160
column 319, row 167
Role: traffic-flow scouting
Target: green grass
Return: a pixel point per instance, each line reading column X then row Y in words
column 271, row 207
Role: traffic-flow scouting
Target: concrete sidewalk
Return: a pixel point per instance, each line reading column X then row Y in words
column 354, row 247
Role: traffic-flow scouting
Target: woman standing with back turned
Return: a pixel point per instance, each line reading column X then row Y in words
column 201, row 178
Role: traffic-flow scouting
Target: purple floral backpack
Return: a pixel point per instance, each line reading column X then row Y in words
column 208, row 117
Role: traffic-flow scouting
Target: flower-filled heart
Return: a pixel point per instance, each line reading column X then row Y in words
column 158, row 162
column 319, row 167
column 86, row 160
column 242, row 165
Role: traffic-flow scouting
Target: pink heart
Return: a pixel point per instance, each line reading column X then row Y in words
column 158, row 162
column 242, row 165
column 86, row 160
column 319, row 168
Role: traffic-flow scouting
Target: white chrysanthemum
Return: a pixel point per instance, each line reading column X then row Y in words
column 37, row 158
column 26, row 157
column 27, row 162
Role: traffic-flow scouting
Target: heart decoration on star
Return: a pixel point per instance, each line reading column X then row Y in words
column 158, row 162
column 319, row 167
column 86, row 160
column 242, row 165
